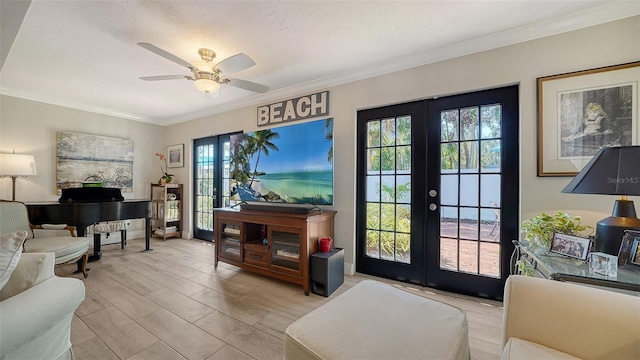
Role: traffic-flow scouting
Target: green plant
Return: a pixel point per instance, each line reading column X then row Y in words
column 525, row 268
column 541, row 228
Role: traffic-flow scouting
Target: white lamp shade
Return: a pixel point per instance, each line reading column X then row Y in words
column 207, row 85
column 17, row 165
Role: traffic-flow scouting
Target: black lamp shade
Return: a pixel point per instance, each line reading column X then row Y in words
column 612, row 171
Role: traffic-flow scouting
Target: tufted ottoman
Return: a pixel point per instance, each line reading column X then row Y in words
column 373, row 320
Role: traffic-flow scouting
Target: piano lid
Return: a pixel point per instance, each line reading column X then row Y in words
column 90, row 194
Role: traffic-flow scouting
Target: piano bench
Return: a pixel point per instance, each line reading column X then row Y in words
column 108, row 228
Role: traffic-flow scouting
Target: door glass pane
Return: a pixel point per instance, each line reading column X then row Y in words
column 373, row 160
column 373, row 133
column 469, row 156
column 448, row 221
column 388, row 159
column 470, row 190
column 469, row 123
column 449, row 157
column 373, row 188
column 490, row 190
column 403, row 159
column 490, row 119
column 388, row 189
column 469, row 256
column 490, row 258
column 449, row 190
column 403, row 133
column 489, row 224
column 469, row 223
column 205, row 184
column 449, row 125
column 403, row 189
column 490, row 155
column 449, row 254
column 388, row 132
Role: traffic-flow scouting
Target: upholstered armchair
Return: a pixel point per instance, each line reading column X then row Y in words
column 546, row 319
column 67, row 249
column 36, row 308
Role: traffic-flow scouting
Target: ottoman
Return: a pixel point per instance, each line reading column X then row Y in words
column 373, row 320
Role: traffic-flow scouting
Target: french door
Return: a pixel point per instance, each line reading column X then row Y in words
column 437, row 199
column 210, row 182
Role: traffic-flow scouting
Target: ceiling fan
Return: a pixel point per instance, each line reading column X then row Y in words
column 205, row 74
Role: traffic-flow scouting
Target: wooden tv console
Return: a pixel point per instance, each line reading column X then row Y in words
column 276, row 244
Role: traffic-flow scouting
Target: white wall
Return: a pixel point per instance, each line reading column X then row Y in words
column 30, row 127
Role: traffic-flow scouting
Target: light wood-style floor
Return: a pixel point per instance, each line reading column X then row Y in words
column 170, row 303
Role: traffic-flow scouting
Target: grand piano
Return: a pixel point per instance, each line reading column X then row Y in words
column 82, row 207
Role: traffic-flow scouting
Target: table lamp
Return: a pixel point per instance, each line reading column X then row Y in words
column 612, row 171
column 14, row 165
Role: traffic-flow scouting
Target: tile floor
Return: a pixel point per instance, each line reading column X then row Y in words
column 170, row 303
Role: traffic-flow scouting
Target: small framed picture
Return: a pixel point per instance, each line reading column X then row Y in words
column 570, row 245
column 629, row 255
column 175, row 156
column 603, row 264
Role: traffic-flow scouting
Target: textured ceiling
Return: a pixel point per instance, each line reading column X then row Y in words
column 83, row 54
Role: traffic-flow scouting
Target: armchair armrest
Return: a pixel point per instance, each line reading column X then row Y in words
column 71, row 229
column 582, row 321
column 32, row 269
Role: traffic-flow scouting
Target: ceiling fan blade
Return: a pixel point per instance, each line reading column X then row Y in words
column 165, row 54
column 248, row 85
column 163, row 77
column 235, row 63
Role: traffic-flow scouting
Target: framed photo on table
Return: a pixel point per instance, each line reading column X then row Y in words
column 629, row 254
column 175, row 156
column 570, row 245
column 583, row 111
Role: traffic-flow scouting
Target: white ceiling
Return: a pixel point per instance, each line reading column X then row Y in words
column 83, row 54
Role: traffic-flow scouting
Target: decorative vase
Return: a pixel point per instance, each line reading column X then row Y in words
column 162, row 181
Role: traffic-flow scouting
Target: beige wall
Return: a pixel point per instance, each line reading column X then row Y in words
column 32, row 126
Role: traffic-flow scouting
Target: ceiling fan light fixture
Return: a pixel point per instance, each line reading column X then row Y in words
column 207, row 85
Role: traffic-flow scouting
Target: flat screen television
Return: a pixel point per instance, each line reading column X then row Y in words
column 292, row 164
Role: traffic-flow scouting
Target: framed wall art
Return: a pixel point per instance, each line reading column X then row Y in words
column 583, row 111
column 175, row 156
column 93, row 160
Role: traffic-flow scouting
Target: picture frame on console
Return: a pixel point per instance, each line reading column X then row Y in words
column 175, row 156
column 570, row 245
column 583, row 111
column 629, row 255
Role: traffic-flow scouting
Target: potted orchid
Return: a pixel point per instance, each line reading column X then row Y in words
column 166, row 177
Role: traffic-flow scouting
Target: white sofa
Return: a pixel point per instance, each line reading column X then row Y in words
column 545, row 319
column 36, row 308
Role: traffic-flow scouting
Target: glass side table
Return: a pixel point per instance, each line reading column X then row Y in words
column 556, row 267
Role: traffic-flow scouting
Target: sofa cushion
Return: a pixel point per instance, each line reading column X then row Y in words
column 10, row 251
column 32, row 269
column 523, row 349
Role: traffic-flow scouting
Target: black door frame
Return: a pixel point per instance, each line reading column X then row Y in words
column 425, row 227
